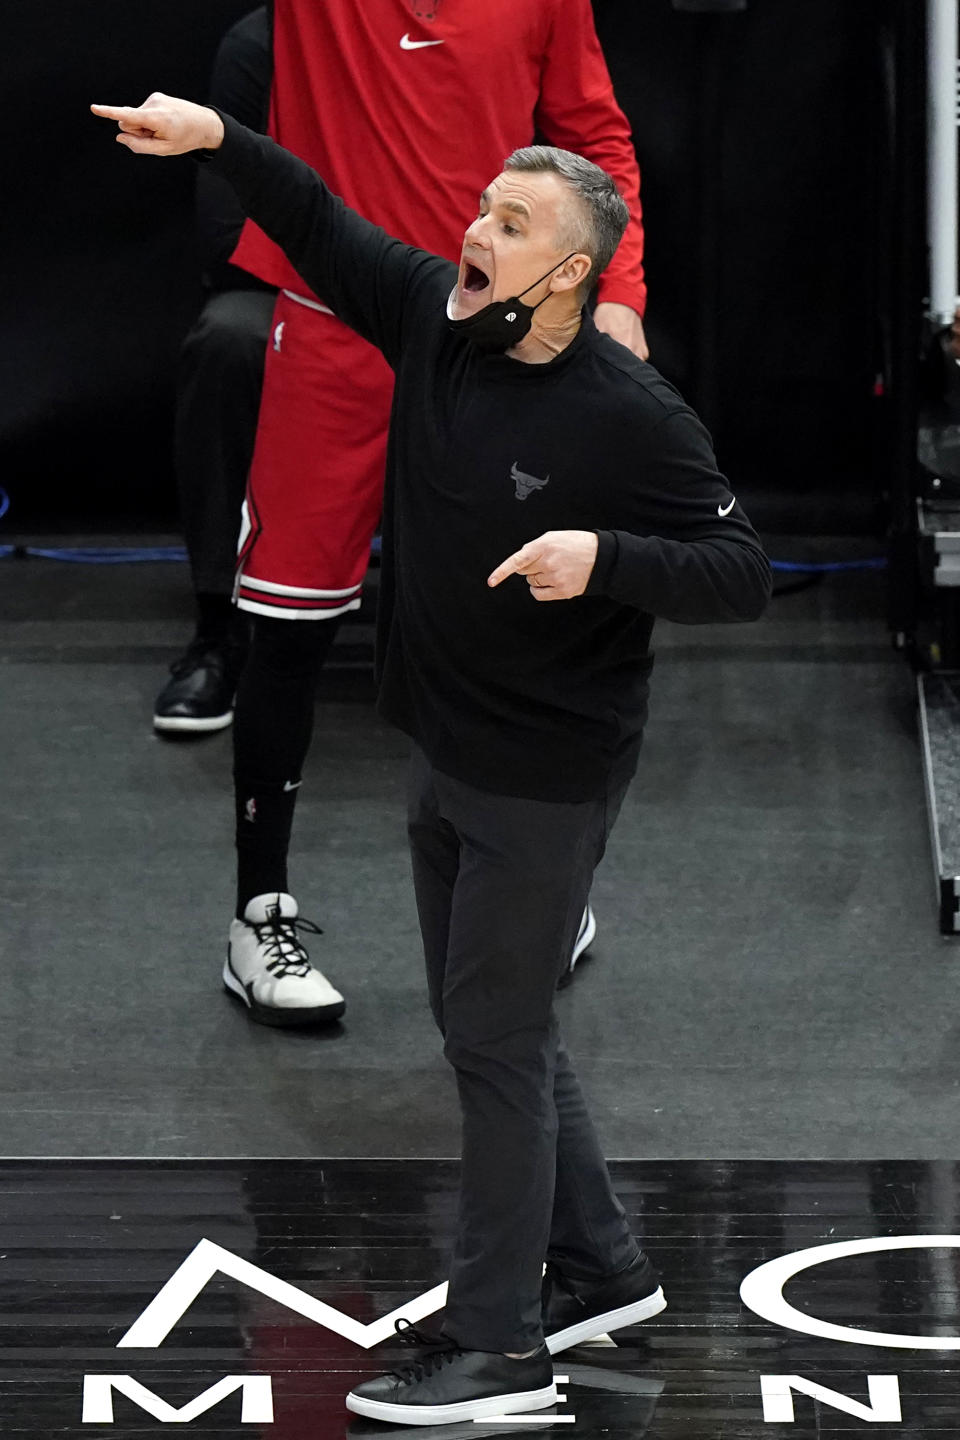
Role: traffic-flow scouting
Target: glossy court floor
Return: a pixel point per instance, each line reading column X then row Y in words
column 132, row 1289
column 768, row 984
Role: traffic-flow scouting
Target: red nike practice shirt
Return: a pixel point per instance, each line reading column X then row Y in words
column 408, row 109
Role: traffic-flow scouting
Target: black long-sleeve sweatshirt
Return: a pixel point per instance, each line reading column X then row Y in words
column 522, row 697
column 239, row 83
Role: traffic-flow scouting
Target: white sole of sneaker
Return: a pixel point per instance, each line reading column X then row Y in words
column 452, row 1414
column 180, row 725
column 643, row 1309
column 281, row 1019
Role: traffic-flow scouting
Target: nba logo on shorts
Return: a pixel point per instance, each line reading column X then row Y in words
column 278, row 336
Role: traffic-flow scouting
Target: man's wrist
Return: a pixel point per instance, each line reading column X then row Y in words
column 213, row 134
column 603, row 563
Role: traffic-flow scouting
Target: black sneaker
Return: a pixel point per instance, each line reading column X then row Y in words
column 447, row 1386
column 199, row 695
column 578, row 1310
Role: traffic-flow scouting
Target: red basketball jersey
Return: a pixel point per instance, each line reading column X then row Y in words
column 408, row 108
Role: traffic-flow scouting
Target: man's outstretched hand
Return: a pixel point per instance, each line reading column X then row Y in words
column 557, row 566
column 164, row 125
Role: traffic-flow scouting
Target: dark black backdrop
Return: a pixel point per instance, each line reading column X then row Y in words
column 761, row 142
column 96, row 254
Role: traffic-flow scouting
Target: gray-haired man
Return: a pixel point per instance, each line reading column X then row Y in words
column 518, row 431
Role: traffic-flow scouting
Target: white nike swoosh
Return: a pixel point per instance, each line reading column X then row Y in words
column 292, row 784
column 721, row 511
column 407, row 44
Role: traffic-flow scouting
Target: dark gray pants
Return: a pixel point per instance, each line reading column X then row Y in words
column 501, row 883
column 219, row 380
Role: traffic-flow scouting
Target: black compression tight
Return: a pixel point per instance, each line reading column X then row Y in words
column 273, row 723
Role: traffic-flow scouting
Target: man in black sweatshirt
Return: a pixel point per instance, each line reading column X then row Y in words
column 548, row 495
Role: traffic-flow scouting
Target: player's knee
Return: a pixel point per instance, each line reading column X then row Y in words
column 290, row 646
column 226, row 336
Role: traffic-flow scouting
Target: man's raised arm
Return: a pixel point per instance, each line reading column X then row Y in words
column 364, row 275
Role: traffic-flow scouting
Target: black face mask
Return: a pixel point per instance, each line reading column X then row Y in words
column 503, row 322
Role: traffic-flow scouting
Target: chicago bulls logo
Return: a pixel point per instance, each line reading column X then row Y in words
column 526, row 484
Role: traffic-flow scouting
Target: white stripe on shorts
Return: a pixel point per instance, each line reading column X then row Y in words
column 311, row 304
column 289, row 612
column 294, row 590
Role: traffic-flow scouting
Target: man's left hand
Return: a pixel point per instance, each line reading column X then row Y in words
column 623, row 324
column 164, row 125
column 557, row 566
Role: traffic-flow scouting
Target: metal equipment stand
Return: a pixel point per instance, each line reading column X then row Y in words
column 937, row 632
column 940, row 729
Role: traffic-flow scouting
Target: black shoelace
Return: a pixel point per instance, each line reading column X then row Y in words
column 199, row 652
column 555, row 1280
column 436, row 1351
column 278, row 936
column 205, row 650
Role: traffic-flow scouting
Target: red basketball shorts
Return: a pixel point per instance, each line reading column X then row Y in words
column 316, row 481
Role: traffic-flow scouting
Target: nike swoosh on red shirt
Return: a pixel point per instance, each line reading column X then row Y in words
column 407, row 44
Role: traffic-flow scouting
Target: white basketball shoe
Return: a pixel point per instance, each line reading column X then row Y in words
column 268, row 968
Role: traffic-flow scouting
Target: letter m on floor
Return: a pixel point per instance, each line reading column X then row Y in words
column 98, row 1399
column 777, row 1392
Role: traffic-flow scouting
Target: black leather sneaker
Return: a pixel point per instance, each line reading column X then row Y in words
column 199, row 694
column 578, row 1310
column 446, row 1385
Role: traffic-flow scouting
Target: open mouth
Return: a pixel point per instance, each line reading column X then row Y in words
column 474, row 279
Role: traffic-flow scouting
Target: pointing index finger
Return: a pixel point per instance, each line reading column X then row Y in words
column 519, row 563
column 509, row 567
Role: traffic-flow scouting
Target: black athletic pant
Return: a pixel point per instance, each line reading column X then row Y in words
column 501, row 884
column 219, row 380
